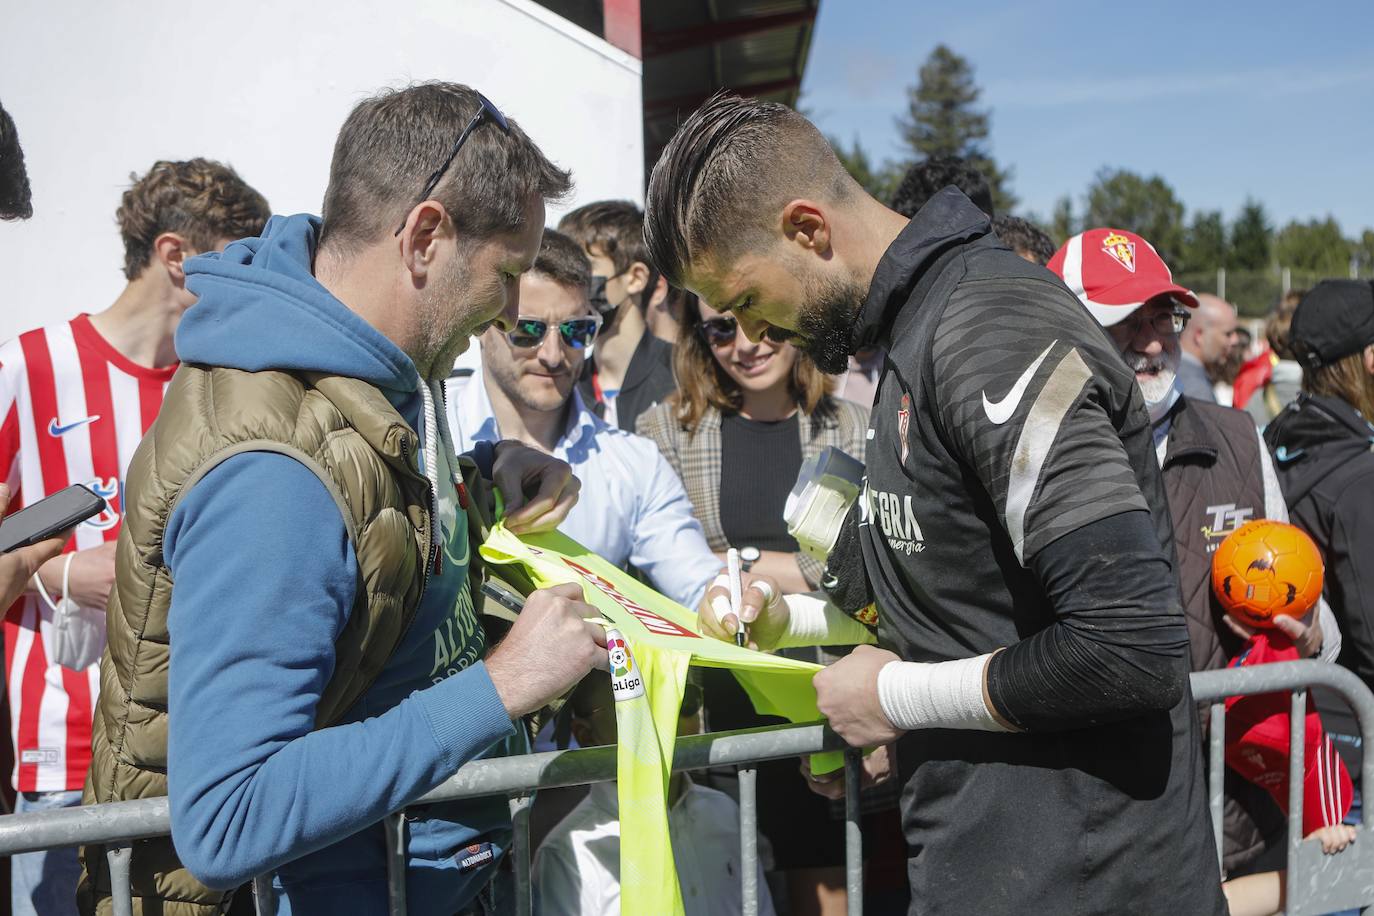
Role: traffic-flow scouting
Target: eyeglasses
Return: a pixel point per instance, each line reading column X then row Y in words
column 718, row 332
column 578, row 333
column 488, row 110
column 1163, row 323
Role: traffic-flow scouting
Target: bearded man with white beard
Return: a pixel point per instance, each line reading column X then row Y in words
column 1217, row 471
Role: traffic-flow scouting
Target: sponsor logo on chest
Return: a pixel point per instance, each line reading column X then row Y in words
column 894, row 515
column 1221, row 521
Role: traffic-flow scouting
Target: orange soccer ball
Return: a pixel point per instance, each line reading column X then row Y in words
column 1265, row 569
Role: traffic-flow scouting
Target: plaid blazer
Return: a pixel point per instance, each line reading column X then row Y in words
column 696, row 459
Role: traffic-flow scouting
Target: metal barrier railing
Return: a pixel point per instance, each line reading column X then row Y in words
column 1317, row 883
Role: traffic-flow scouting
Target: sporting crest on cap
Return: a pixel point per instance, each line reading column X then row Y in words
column 1120, row 248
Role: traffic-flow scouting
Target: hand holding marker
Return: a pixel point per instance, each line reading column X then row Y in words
column 736, row 593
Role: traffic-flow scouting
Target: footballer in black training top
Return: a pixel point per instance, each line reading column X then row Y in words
column 1014, row 540
column 1010, row 445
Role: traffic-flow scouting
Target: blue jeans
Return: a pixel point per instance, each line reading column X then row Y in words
column 44, row 883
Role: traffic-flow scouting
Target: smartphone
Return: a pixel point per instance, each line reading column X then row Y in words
column 48, row 517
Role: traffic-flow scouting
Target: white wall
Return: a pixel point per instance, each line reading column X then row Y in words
column 102, row 88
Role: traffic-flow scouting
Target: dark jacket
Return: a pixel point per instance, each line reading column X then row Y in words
column 648, row 380
column 1005, row 425
column 1213, row 479
column 1324, row 454
column 1214, row 482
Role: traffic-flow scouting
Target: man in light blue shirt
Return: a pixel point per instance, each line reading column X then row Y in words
column 633, row 509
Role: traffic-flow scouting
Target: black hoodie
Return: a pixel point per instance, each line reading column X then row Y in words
column 1324, row 453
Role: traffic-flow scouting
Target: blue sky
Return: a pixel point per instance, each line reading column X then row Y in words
column 1224, row 100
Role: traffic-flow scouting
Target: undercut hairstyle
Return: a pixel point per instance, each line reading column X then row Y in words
column 16, row 198
column 391, row 143
column 726, row 175
column 1276, row 329
column 703, row 384
column 616, row 229
column 1025, row 238
column 926, row 179
column 201, row 200
column 563, row 261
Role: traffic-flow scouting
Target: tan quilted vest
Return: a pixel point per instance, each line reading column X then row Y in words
column 347, row 433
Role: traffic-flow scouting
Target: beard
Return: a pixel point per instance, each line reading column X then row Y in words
column 448, row 320
column 1156, row 387
column 825, row 323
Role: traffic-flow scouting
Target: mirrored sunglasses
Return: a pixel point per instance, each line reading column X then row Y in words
column 578, row 333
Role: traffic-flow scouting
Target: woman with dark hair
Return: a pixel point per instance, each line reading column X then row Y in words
column 1323, row 446
column 744, row 418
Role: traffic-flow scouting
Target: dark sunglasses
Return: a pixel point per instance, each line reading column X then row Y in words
column 578, row 333
column 488, row 110
column 718, row 331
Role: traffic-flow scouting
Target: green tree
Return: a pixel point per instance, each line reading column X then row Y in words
column 1147, row 206
column 1251, row 238
column 1063, row 225
column 1317, row 246
column 943, row 119
column 880, row 181
column 1204, row 243
column 1363, row 250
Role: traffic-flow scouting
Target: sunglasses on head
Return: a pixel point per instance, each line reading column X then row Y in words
column 578, row 333
column 486, row 111
column 719, row 331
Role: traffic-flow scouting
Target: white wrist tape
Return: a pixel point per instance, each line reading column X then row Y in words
column 936, row 695
column 814, row 621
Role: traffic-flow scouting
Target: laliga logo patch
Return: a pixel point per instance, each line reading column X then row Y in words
column 904, row 425
column 626, row 682
column 620, row 657
column 1120, row 248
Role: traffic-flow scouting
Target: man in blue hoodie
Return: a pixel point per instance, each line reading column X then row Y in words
column 301, row 491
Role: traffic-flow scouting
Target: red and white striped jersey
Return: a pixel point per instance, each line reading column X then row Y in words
column 74, row 410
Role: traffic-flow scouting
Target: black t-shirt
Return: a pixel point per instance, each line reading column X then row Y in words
column 1005, row 420
column 751, row 504
column 648, row 381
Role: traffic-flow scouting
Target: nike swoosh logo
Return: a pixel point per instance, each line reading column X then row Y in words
column 55, row 430
column 1000, row 412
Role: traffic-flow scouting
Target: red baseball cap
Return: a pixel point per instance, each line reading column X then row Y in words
column 1114, row 272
